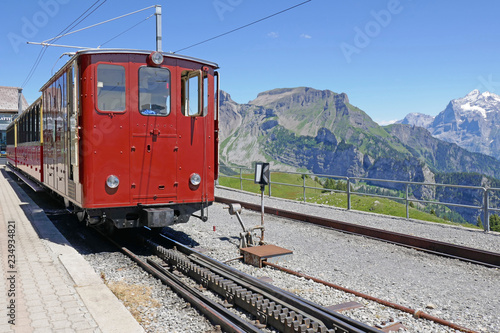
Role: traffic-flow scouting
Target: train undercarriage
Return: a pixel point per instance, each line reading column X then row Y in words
column 150, row 216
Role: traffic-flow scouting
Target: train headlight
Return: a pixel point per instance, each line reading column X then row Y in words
column 156, row 58
column 195, row 179
column 112, row 181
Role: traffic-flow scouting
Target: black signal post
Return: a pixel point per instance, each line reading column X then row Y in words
column 262, row 177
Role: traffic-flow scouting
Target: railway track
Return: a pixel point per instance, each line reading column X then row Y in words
column 190, row 274
column 481, row 257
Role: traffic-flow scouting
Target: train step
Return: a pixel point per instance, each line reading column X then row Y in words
column 32, row 184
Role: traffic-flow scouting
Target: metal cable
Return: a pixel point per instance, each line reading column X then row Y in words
column 135, row 25
column 97, row 24
column 244, row 26
column 44, row 49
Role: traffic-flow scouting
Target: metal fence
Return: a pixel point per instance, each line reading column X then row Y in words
column 485, row 206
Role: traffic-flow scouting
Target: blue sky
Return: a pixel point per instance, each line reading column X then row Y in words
column 391, row 57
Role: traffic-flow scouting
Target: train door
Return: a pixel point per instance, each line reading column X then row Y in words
column 49, row 137
column 61, row 133
column 72, row 174
column 196, row 132
column 153, row 159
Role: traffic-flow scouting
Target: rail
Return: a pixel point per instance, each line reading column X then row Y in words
column 485, row 205
column 270, row 306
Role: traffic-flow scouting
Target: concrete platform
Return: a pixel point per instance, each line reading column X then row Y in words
column 47, row 285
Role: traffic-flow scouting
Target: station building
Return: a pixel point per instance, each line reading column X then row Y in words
column 9, row 97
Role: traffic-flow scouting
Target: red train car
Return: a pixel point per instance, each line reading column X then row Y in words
column 124, row 136
column 24, row 146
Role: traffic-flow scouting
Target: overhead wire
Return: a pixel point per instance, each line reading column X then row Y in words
column 72, row 25
column 44, row 48
column 242, row 27
column 97, row 24
column 33, row 67
column 135, row 25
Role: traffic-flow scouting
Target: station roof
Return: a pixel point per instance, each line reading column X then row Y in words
column 8, row 100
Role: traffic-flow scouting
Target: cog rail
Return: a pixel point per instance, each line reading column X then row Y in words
column 216, row 313
column 270, row 306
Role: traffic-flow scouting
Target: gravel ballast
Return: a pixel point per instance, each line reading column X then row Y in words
column 155, row 307
column 463, row 293
column 460, row 292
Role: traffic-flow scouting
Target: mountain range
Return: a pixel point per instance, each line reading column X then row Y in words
column 307, row 130
column 472, row 122
column 322, row 132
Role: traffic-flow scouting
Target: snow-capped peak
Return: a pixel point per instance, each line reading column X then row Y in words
column 478, row 103
column 473, row 94
column 491, row 96
column 471, row 122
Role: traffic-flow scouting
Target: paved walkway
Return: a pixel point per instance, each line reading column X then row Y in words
column 46, row 285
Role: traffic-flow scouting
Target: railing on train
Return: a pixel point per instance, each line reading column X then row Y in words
column 485, row 206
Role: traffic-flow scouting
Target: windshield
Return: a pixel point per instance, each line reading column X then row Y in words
column 154, row 91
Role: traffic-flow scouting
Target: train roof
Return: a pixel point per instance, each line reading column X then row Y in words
column 145, row 52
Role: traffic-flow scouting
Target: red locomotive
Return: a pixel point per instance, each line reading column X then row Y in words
column 124, row 136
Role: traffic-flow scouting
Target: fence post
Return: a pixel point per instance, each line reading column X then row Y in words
column 486, row 224
column 407, row 208
column 348, row 193
column 270, row 183
column 304, row 186
column 241, row 179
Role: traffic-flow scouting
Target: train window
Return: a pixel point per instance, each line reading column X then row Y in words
column 23, row 130
column 32, row 125
column 27, row 127
column 191, row 93
column 10, row 136
column 37, row 126
column 110, row 87
column 154, row 91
